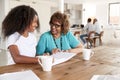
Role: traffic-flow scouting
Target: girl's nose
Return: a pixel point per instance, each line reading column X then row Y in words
column 36, row 24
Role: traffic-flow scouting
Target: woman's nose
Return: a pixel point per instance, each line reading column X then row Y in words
column 53, row 26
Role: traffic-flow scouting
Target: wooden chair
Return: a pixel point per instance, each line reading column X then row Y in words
column 98, row 37
column 76, row 32
column 93, row 39
column 89, row 40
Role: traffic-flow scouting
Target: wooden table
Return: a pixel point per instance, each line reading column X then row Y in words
column 104, row 61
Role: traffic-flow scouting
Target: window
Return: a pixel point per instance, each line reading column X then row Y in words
column 114, row 13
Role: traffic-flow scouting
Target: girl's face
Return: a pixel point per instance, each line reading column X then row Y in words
column 34, row 24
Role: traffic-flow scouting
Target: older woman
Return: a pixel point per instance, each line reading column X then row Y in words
column 59, row 38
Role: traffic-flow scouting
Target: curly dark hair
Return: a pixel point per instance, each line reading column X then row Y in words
column 62, row 19
column 18, row 19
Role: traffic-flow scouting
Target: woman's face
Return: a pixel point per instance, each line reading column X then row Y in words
column 55, row 28
column 34, row 24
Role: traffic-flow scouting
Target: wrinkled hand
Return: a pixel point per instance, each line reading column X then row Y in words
column 65, row 50
column 55, row 50
column 46, row 54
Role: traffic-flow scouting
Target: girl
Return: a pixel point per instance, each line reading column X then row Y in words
column 17, row 27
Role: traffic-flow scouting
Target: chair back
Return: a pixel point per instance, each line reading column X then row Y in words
column 101, row 33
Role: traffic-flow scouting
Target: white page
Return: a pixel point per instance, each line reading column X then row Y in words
column 62, row 57
column 23, row 75
column 106, row 77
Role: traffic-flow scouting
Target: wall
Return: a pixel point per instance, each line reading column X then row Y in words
column 102, row 14
column 89, row 11
column 99, row 9
column 4, row 6
column 43, row 9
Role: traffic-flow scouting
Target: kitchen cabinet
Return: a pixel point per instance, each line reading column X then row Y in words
column 74, row 11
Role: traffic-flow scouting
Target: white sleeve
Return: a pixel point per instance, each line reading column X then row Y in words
column 11, row 40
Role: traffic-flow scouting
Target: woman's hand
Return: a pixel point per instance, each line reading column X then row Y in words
column 46, row 54
column 66, row 50
column 55, row 50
